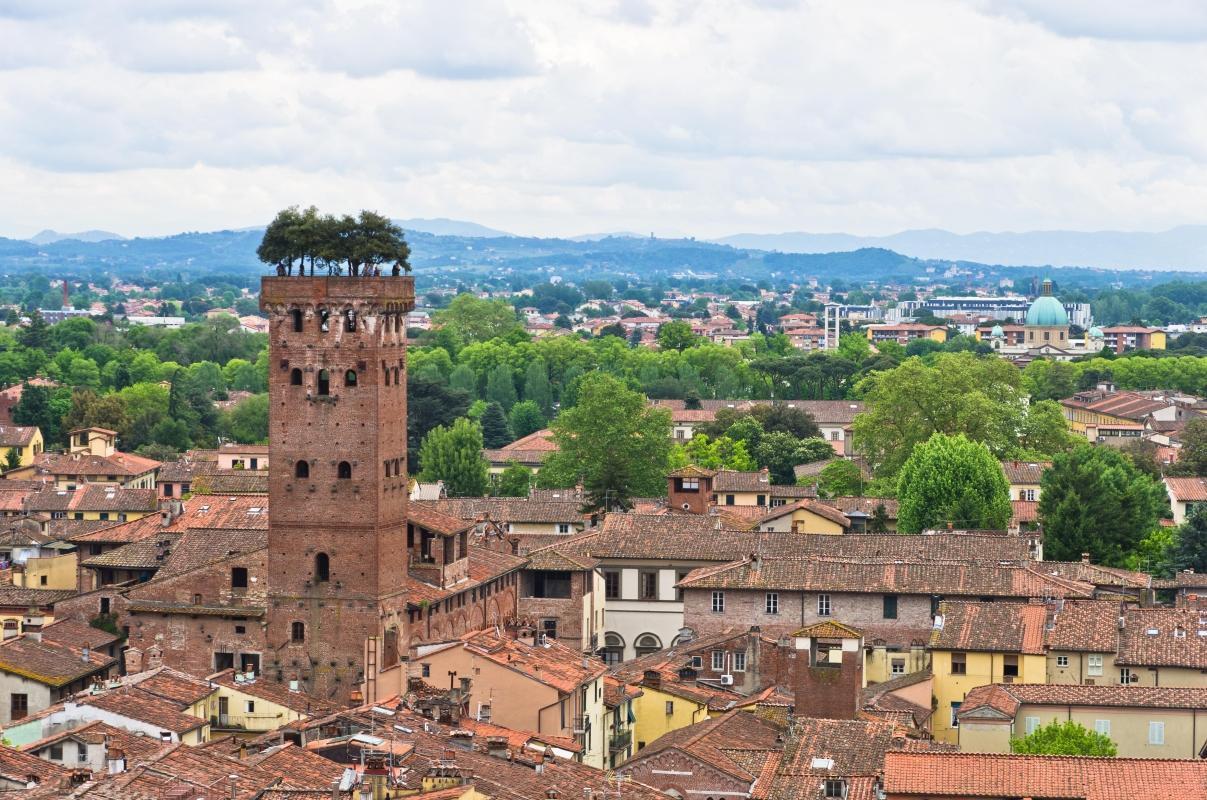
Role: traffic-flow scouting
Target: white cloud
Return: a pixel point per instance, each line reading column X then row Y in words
column 565, row 116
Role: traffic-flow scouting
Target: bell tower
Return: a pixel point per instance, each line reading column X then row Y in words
column 337, row 549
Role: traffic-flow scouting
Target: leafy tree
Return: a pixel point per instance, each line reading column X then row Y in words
column 839, row 478
column 500, row 387
column 613, row 441
column 429, row 404
column 597, row 290
column 172, row 433
column 879, row 521
column 1094, row 500
column 462, row 379
column 952, row 479
column 1050, row 380
column 676, row 335
column 454, row 455
column 247, row 421
column 780, row 451
column 36, row 335
column 90, row 410
column 720, row 453
column 472, row 319
column 514, row 481
column 525, row 418
column 34, row 409
column 1190, row 546
column 854, row 346
column 537, row 387
column 1063, row 739
column 495, row 430
column 1045, row 432
column 959, row 393
column 1192, row 459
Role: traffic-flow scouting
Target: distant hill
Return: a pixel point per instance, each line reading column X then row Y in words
column 450, row 227
column 1181, row 248
column 49, row 237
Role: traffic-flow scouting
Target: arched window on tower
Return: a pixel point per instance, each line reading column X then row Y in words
column 324, row 382
column 297, row 632
column 387, row 371
column 322, row 568
column 295, row 377
column 296, row 316
column 350, row 378
column 350, row 321
column 301, row 470
column 395, row 376
column 344, row 471
column 324, row 320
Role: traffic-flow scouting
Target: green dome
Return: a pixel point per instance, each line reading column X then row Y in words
column 1096, row 333
column 1046, row 310
column 997, row 332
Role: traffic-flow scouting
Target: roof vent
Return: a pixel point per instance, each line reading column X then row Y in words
column 1152, row 632
column 821, row 763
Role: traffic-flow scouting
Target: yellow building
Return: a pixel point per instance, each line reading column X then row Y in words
column 253, row 705
column 620, row 717
column 975, row 644
column 805, row 516
column 20, row 443
column 1143, row 722
column 905, row 332
column 666, row 706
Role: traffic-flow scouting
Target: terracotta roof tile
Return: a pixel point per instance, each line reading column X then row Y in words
column 136, row 704
column 124, row 465
column 19, row 767
column 276, row 693
column 992, row 627
column 1089, row 626
column 1025, row 472
column 51, row 663
column 16, row 435
column 1187, row 490
column 1163, row 637
column 719, row 741
column 552, row 663
column 1006, row 698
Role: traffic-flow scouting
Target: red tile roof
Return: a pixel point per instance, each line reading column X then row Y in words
column 553, row 664
column 725, row 743
column 940, row 776
column 1089, row 626
column 1163, row 637
column 1006, row 698
column 990, row 627
column 1187, row 490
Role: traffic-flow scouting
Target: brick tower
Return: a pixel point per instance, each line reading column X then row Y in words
column 337, row 549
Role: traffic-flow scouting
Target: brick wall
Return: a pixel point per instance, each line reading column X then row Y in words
column 569, row 612
column 673, row 770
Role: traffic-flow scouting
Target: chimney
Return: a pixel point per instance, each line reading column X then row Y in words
column 116, row 761
column 652, row 678
column 32, row 626
column 85, row 654
column 1085, row 558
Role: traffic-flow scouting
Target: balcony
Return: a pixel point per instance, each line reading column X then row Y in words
column 620, row 740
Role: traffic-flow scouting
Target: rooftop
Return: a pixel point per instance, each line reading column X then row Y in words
column 990, row 627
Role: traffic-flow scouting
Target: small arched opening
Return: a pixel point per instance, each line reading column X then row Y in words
column 295, row 377
column 350, row 378
column 613, row 650
column 646, row 643
column 301, row 470
column 324, row 382
column 295, row 316
column 350, row 321
column 344, row 471
column 322, row 568
column 395, row 376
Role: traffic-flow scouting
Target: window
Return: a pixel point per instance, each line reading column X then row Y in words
column 56, row 752
column 739, row 661
column 238, row 577
column 250, row 706
column 324, row 320
column 297, row 632
column 823, row 605
column 1030, row 724
column 563, row 527
column 771, row 603
column 324, row 383
column 729, row 500
column 18, row 706
column 240, row 629
column 834, row 434
column 1125, row 676
column 612, row 585
column 890, row 606
column 1094, row 665
column 344, row 471
column 350, row 378
column 1027, row 494
column 697, row 662
column 1010, row 666
column 1156, row 733
column 718, row 660
column 836, row 789
column 301, row 470
column 322, row 567
column 296, row 316
column 613, row 650
column 1062, row 661
column 167, row 489
column 689, row 484
column 647, row 585
column 350, row 321
column 718, row 602
column 959, row 664
column 647, row 643
column 955, row 713
column 898, row 666
column 81, row 752
column 1102, row 726
column 551, row 584
column 426, row 670
column 295, row 377
column 760, row 500
column 670, row 707
column 679, row 576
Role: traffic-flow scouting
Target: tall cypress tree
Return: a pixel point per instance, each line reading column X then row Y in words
column 500, row 387
column 537, row 387
column 495, row 430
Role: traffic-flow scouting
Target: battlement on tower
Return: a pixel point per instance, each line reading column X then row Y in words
column 386, row 292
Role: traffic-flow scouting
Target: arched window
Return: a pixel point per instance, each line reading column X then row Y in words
column 322, row 568
column 647, row 643
column 324, row 320
column 295, row 377
column 344, row 471
column 297, row 632
column 350, row 378
column 613, row 650
column 350, row 321
column 301, row 470
column 324, row 382
column 387, row 465
column 387, row 376
column 397, row 466
column 395, row 376
column 296, row 316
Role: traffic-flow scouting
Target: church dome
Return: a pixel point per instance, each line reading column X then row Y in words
column 1046, row 310
column 1096, row 333
column 997, row 332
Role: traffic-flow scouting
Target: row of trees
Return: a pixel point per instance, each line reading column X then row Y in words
column 306, row 238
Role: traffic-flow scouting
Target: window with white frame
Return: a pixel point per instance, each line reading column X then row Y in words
column 1030, row 725
column 718, row 660
column 697, row 662
column 1062, row 661
column 898, row 666
column 1156, row 733
column 563, row 527
column 718, row 602
column 1125, row 676
column 823, row 605
column 1093, row 664
column 771, row 603
column 739, row 661
column 1103, row 726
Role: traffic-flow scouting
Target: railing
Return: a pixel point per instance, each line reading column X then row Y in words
column 620, row 741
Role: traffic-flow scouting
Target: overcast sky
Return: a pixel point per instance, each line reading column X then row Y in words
column 580, row 116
